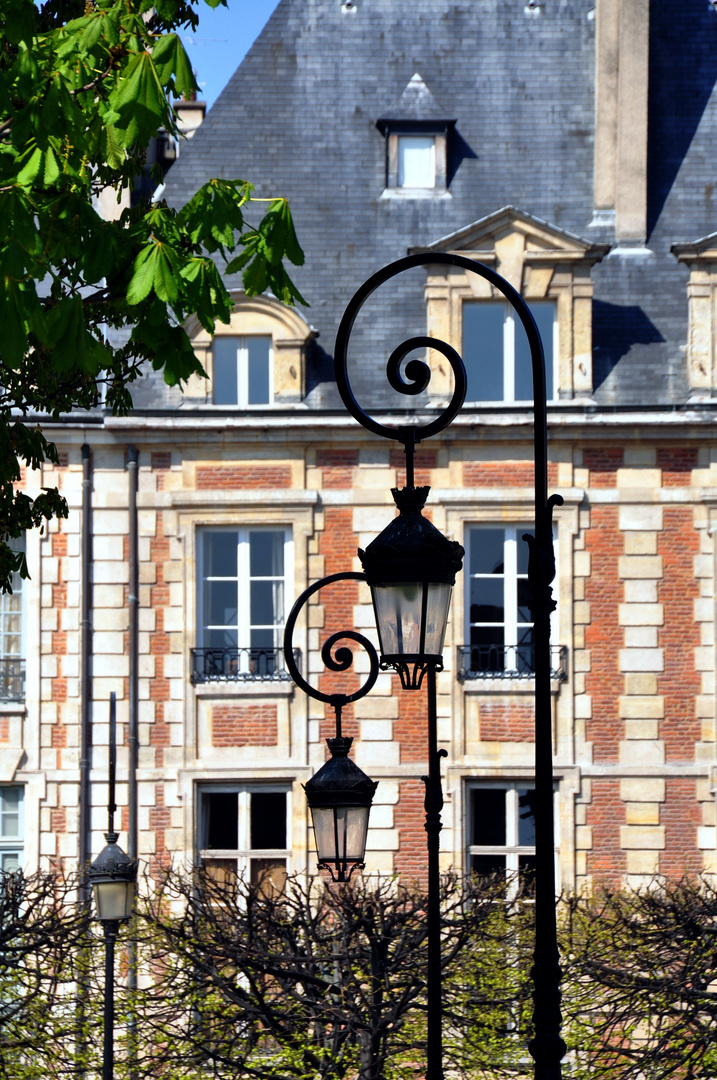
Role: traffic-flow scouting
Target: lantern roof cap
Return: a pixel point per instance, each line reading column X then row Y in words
column 411, row 548
column 339, row 781
column 112, row 864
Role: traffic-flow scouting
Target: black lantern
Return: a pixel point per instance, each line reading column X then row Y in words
column 340, row 796
column 112, row 876
column 411, row 568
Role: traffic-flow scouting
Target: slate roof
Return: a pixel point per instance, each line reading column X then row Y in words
column 299, row 118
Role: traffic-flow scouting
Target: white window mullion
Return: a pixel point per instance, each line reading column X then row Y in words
column 509, row 355
column 242, row 373
column 243, row 597
column 511, row 600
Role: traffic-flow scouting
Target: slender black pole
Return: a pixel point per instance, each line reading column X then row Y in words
column 547, row 1047
column 433, row 806
column 111, row 931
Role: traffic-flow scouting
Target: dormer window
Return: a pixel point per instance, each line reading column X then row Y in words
column 416, row 130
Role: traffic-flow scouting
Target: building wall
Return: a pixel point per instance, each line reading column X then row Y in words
column 634, row 720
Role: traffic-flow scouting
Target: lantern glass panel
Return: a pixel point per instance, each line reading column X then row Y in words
column 399, row 613
column 113, row 899
column 340, row 832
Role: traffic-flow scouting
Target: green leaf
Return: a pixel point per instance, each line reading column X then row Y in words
column 31, row 170
column 140, row 101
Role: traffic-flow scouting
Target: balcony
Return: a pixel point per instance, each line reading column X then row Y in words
column 508, row 662
column 12, row 678
column 231, row 664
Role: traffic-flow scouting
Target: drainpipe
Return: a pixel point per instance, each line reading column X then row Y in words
column 133, row 469
column 86, row 672
column 133, row 737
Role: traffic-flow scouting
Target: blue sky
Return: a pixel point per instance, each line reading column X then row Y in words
column 223, row 37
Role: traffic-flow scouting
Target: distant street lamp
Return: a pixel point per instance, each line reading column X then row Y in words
column 410, row 569
column 113, row 876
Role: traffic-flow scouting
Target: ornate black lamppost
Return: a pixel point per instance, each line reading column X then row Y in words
column 112, row 876
column 411, row 568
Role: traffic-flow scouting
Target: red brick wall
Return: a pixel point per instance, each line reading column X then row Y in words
column 424, row 460
column 680, row 683
column 410, row 729
column 4, row 729
column 244, row 725
column 604, row 636
column 680, row 814
column 408, row 818
column 338, row 544
column 603, row 463
column 507, row 721
column 214, row 477
column 606, row 813
column 159, row 646
column 337, row 466
column 676, row 463
column 58, row 734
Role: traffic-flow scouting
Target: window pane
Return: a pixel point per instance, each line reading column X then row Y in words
column 258, row 377
column 483, row 349
column 220, row 554
column 488, row 817
column 522, row 549
column 263, row 639
column 266, row 554
column 10, row 862
column 10, row 799
column 270, row 874
column 544, row 315
column 526, row 817
column 487, row 600
column 524, row 595
column 268, row 820
column 220, row 603
column 416, row 161
column 526, row 875
column 221, row 639
column 486, row 550
column 487, row 864
column 224, row 382
column 263, row 597
column 223, row 871
column 221, row 820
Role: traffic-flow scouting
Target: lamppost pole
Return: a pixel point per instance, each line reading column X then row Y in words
column 433, row 805
column 112, row 876
column 411, row 569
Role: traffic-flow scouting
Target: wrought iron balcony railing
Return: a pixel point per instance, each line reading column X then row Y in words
column 231, row 664
column 508, row 662
column 12, row 678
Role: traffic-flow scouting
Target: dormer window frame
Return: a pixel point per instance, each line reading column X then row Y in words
column 394, row 130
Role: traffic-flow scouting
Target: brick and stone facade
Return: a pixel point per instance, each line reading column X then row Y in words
column 621, row 246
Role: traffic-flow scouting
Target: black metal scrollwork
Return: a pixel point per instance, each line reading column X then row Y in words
column 417, row 374
column 334, row 659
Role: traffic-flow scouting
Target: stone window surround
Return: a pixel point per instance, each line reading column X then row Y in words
column 256, row 316
column 244, row 790
column 700, row 258
column 234, row 509
column 539, row 261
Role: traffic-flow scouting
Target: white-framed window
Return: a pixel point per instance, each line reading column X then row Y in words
column 416, row 161
column 499, row 630
column 243, row 830
column 500, row 829
column 241, row 370
column 12, row 645
column 12, row 828
column 243, row 595
column 495, row 350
